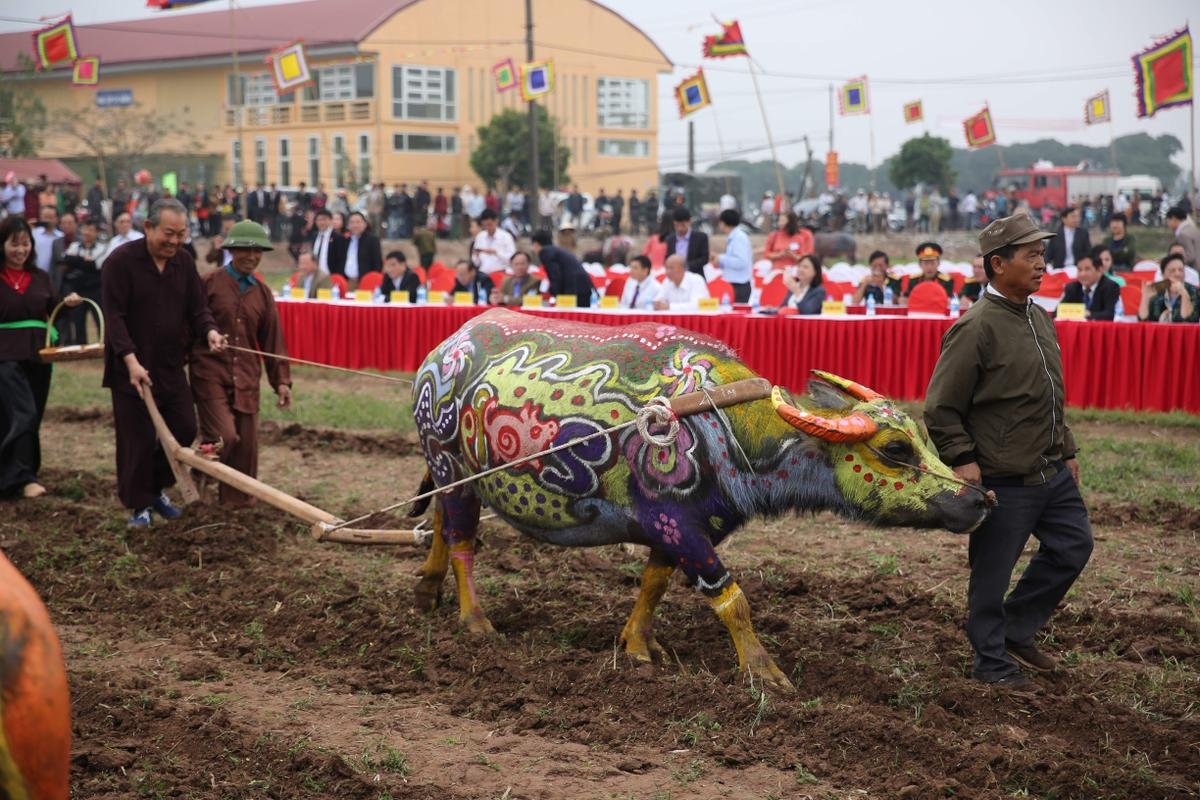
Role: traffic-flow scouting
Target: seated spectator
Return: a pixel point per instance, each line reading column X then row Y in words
column 975, row 285
column 681, row 288
column 1170, row 300
column 1070, row 244
column 804, row 282
column 309, row 276
column 516, row 286
column 397, row 277
column 468, row 278
column 1121, row 244
column 1102, row 257
column 640, row 290
column 788, row 243
column 873, row 283
column 929, row 257
column 1098, row 293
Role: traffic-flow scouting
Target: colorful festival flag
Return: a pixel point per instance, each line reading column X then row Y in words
column 54, row 46
column 1096, row 109
column 1164, row 74
column 979, row 129
column 914, row 111
column 289, row 68
column 729, row 43
column 692, row 94
column 86, row 71
column 505, row 74
column 852, row 99
column 537, row 79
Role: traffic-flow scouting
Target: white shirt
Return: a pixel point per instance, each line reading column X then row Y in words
column 117, row 241
column 970, row 204
column 43, row 246
column 685, row 295
column 321, row 249
column 647, row 292
column 502, row 242
column 351, row 270
column 93, row 253
column 13, row 198
column 1069, row 239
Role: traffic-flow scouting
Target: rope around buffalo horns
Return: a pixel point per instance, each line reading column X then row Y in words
column 658, row 408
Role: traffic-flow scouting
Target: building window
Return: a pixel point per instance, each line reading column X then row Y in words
column 260, row 161
column 583, row 96
column 424, row 143
column 314, row 161
column 339, row 160
column 629, row 148
column 424, row 93
column 254, row 90
column 364, row 158
column 344, row 82
column 236, row 163
column 285, row 162
column 622, row 103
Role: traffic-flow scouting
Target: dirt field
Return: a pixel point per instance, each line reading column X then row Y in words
column 229, row 656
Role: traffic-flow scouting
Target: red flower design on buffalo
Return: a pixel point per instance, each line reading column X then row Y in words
column 512, row 435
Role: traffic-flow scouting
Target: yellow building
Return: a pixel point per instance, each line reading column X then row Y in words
column 401, row 87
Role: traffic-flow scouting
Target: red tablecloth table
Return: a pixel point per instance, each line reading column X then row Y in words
column 1107, row 365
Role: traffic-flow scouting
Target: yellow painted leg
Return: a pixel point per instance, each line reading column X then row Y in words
column 462, row 558
column 734, row 611
column 427, row 595
column 638, row 633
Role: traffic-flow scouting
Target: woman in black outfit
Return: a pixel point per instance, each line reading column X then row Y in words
column 26, row 300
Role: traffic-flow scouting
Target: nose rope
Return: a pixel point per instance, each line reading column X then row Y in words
column 989, row 498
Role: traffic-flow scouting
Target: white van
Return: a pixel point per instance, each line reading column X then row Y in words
column 1145, row 184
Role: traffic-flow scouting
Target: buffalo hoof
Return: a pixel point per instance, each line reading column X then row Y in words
column 764, row 670
column 427, row 595
column 643, row 647
column 477, row 624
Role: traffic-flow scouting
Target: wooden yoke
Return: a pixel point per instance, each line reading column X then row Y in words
column 729, row 394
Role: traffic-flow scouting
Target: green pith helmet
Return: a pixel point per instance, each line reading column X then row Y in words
column 247, row 234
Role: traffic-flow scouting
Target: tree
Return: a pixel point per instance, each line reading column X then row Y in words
column 923, row 160
column 502, row 156
column 22, row 114
column 120, row 137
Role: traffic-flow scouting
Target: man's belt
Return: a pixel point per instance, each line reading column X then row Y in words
column 1042, row 476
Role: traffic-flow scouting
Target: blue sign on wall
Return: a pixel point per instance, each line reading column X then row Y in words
column 114, row 98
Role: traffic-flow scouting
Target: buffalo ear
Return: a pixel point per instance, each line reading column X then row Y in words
column 826, row 395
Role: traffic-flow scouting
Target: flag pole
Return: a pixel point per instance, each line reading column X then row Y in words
column 767, row 126
column 238, row 188
column 871, row 133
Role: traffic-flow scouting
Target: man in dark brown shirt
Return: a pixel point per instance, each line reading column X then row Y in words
column 153, row 305
column 225, row 384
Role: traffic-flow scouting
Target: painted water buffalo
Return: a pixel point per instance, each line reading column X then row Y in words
column 834, row 245
column 35, row 709
column 508, row 385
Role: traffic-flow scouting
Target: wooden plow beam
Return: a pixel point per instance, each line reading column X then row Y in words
column 184, row 459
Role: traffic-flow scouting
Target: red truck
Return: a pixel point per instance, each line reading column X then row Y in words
column 1044, row 184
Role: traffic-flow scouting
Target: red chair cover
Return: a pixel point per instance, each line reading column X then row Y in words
column 370, row 282
column 1131, row 298
column 773, row 292
column 719, row 287
column 340, row 282
column 442, row 280
column 616, row 285
column 929, row 298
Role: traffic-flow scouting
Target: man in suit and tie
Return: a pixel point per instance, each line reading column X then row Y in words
column 324, row 239
column 397, row 277
column 1098, row 292
column 256, row 204
column 641, row 289
column 687, row 242
column 357, row 255
column 1070, row 244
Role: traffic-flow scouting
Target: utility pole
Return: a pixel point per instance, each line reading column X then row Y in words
column 240, row 96
column 691, row 146
column 535, row 184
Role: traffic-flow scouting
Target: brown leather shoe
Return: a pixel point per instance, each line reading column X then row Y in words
column 1017, row 683
column 1030, row 656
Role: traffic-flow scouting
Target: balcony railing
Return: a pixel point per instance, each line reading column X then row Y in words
column 305, row 113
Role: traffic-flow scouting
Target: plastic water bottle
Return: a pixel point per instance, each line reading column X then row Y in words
column 887, row 294
column 336, row 292
column 725, row 304
column 870, row 305
column 954, row 306
column 1119, row 311
column 377, row 296
column 481, row 297
column 422, row 294
column 755, row 300
column 286, row 291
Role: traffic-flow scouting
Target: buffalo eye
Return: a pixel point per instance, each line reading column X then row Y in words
column 898, row 450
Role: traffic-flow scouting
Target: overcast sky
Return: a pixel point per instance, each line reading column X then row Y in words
column 1033, row 61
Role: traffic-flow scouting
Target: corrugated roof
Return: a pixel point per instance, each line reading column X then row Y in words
column 30, row 170
column 175, row 36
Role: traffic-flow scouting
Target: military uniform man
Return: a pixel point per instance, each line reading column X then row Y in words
column 225, row 384
column 994, row 410
column 929, row 256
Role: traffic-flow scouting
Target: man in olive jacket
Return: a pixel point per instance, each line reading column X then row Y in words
column 994, row 410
